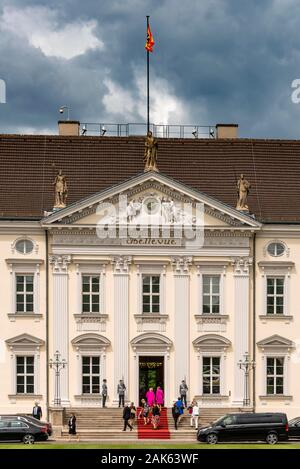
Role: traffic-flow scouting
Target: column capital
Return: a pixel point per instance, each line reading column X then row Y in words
column 121, row 264
column 60, row 263
column 181, row 264
column 241, row 265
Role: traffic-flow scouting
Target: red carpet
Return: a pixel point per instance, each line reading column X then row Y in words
column 147, row 432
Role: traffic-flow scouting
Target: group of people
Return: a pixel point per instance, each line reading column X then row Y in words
column 178, row 412
column 150, row 411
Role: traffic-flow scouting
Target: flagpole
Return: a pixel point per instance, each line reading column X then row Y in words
column 148, row 96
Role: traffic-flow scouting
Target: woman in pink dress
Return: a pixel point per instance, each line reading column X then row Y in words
column 150, row 396
column 159, row 397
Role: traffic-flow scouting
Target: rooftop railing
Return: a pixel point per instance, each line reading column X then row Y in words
column 158, row 130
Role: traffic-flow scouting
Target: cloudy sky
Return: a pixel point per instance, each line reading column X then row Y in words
column 213, row 61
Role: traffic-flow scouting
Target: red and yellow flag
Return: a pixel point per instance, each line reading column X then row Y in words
column 150, row 41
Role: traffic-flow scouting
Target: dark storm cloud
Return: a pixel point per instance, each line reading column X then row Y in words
column 226, row 61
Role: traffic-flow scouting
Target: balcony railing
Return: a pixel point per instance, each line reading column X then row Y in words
column 158, row 130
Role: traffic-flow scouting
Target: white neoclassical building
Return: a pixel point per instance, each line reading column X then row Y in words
column 120, row 299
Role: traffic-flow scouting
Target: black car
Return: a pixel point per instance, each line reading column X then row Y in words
column 30, row 419
column 269, row 427
column 294, row 429
column 18, row 430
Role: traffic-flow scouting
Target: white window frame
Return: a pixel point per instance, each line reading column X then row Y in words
column 212, row 270
column 91, row 294
column 275, row 354
column 25, row 268
column 151, row 270
column 276, row 277
column 86, row 269
column 25, row 357
column 90, row 344
column 271, row 269
column 222, row 356
column 25, row 345
column 24, row 293
column 91, row 355
column 211, row 375
column 151, row 294
column 211, row 294
column 275, row 375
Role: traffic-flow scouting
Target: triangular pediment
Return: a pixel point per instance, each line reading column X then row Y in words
column 131, row 199
column 275, row 341
column 24, row 340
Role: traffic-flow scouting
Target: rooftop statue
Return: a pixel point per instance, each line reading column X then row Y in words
column 61, row 190
column 243, row 187
column 150, row 155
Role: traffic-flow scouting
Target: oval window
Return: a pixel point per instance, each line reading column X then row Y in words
column 276, row 249
column 24, row 246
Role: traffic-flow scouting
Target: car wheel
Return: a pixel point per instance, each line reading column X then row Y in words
column 28, row 439
column 272, row 439
column 212, row 439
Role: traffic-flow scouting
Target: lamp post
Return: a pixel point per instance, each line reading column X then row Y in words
column 246, row 365
column 57, row 365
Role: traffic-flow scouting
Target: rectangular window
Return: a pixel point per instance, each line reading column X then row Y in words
column 275, row 295
column 90, row 294
column 275, row 372
column 90, row 375
column 151, row 291
column 25, row 375
column 211, row 294
column 24, row 293
column 211, row 375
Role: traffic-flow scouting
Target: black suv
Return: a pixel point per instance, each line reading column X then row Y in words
column 269, row 427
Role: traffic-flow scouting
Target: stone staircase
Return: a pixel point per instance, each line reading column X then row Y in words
column 97, row 424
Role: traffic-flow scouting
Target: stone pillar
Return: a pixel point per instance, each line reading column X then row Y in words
column 60, row 302
column 241, row 268
column 181, row 267
column 121, row 322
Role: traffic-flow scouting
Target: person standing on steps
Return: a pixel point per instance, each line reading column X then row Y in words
column 183, row 389
column 72, row 425
column 195, row 414
column 121, row 392
column 126, row 418
column 155, row 416
column 159, row 397
column 175, row 414
column 180, row 407
column 150, row 397
column 132, row 414
column 144, row 411
column 104, row 392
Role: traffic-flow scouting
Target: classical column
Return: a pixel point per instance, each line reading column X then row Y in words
column 181, row 268
column 241, row 268
column 61, row 318
column 121, row 321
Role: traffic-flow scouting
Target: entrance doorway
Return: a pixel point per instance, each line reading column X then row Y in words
column 151, row 374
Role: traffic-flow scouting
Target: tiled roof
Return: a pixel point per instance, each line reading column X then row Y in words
column 29, row 163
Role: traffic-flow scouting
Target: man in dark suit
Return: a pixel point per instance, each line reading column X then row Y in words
column 126, row 417
column 37, row 411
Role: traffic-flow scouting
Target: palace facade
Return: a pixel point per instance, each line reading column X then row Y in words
column 144, row 306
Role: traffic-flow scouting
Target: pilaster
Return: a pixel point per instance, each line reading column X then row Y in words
column 181, row 268
column 121, row 265
column 241, row 267
column 60, row 265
